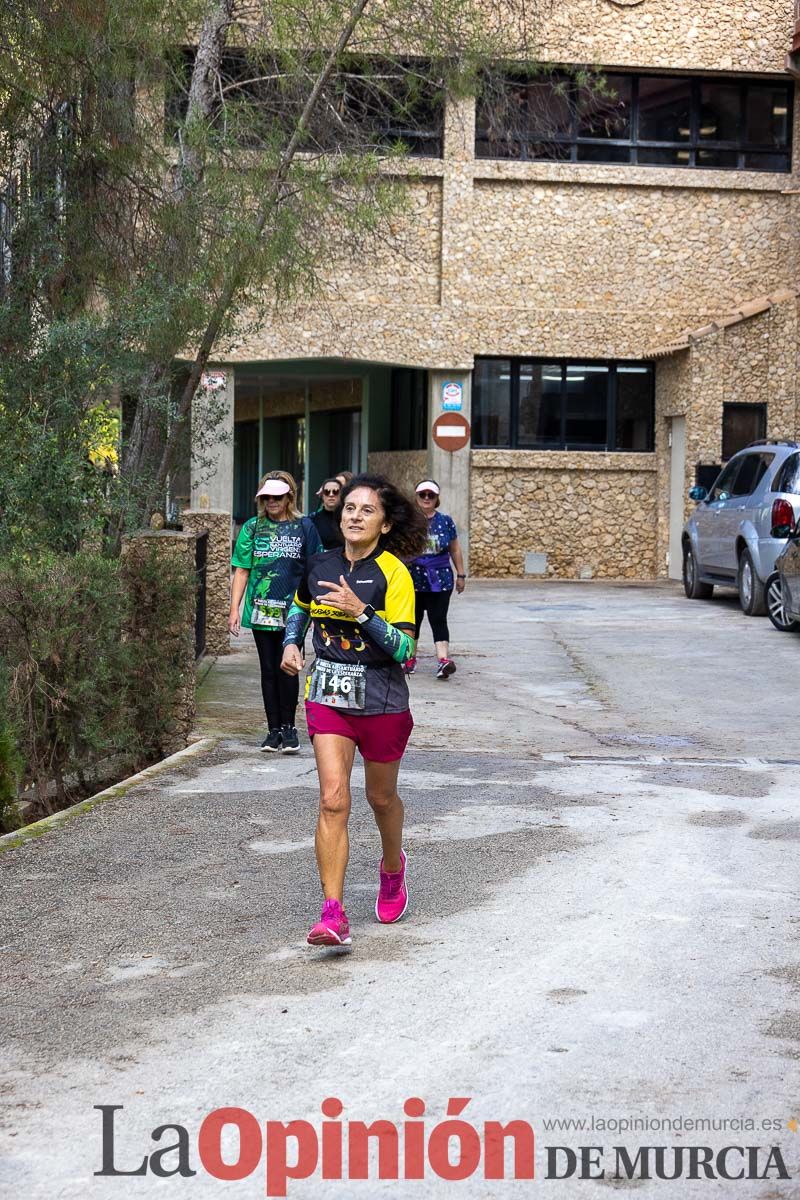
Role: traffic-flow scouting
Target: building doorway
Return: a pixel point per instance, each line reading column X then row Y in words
column 309, row 424
column 318, row 417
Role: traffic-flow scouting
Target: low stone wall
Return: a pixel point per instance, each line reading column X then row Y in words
column 404, row 468
column 592, row 515
column 218, row 573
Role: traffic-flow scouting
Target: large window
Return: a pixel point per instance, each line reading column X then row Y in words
column 535, row 404
column 654, row 120
column 367, row 104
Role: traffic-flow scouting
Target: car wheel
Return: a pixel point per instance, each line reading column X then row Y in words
column 751, row 589
column 773, row 594
column 695, row 589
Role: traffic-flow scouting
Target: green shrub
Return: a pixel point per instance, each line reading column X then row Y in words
column 94, row 662
column 62, row 620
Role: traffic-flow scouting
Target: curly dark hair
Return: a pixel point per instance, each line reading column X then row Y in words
column 409, row 529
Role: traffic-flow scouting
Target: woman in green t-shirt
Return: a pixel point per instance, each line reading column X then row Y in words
column 269, row 560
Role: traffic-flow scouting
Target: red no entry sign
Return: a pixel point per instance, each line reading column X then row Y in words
column 451, row 431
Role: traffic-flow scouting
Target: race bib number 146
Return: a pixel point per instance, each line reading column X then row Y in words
column 339, row 685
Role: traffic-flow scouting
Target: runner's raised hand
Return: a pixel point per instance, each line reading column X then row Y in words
column 341, row 596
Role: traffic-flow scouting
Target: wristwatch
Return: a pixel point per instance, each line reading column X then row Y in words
column 368, row 612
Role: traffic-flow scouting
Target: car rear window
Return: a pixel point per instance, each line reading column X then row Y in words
column 788, row 478
column 750, row 474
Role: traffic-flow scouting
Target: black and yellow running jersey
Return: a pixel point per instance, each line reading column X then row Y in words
column 381, row 580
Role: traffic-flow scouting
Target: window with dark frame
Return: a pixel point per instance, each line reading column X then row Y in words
column 409, row 409
column 547, row 404
column 367, row 104
column 653, row 120
column 741, row 425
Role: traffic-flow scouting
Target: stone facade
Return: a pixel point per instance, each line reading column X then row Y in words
column 617, row 267
column 680, row 34
column 579, row 260
column 591, row 515
column 405, row 468
column 509, row 257
column 554, row 258
column 752, row 360
column 218, row 573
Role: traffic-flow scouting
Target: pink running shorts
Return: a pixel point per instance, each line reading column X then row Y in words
column 380, row 738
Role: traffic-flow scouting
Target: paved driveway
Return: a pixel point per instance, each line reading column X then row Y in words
column 603, row 830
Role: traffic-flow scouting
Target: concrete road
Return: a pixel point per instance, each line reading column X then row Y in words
column 603, row 829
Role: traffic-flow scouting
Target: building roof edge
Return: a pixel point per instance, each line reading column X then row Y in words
column 746, row 310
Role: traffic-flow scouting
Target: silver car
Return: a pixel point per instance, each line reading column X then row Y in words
column 739, row 528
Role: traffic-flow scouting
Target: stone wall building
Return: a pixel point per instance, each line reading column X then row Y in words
column 612, row 287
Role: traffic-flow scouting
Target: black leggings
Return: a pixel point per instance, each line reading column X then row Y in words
column 435, row 604
column 280, row 691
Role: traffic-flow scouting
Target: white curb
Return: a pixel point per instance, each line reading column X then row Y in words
column 9, row 841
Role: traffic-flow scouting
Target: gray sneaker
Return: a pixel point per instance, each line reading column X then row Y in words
column 288, row 736
column 272, row 741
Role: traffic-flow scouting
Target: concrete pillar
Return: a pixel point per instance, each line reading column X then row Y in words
column 212, row 441
column 457, row 188
column 218, row 573
column 451, row 469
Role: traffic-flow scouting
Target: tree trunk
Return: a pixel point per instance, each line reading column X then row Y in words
column 149, row 436
column 238, row 271
column 203, row 92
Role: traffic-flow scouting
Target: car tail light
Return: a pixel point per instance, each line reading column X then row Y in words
column 782, row 513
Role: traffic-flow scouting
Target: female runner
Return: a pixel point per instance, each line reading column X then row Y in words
column 360, row 601
column 433, row 576
column 269, row 559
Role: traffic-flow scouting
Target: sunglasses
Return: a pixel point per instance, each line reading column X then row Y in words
column 427, row 495
column 330, row 491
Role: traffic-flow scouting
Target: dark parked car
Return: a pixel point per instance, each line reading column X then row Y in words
column 783, row 586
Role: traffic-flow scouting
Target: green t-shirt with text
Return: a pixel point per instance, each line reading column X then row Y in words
column 275, row 553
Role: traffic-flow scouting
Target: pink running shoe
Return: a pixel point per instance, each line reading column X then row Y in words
column 392, row 899
column 410, row 666
column 333, row 927
column 445, row 668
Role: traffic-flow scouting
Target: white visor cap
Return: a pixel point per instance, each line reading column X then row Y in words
column 428, row 485
column 273, row 487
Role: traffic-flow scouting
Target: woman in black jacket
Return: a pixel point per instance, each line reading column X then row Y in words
column 325, row 517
